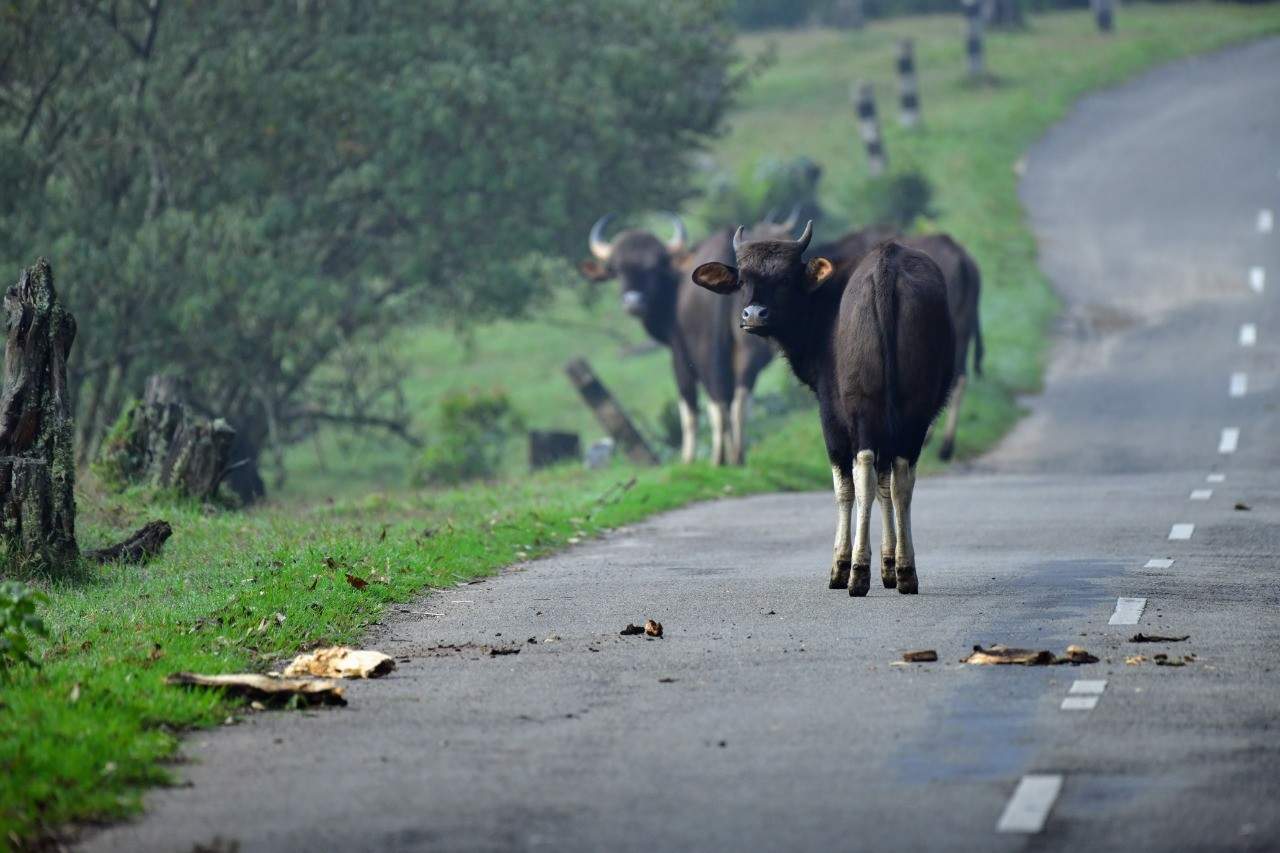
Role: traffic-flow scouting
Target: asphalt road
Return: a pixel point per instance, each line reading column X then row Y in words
column 769, row 717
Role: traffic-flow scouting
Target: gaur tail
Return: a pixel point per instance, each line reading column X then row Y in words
column 885, row 297
column 975, row 284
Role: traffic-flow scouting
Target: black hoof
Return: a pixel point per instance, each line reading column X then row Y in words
column 860, row 583
column 908, row 581
column 887, row 574
column 839, row 575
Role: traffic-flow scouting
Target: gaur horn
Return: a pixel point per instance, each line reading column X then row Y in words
column 803, row 242
column 601, row 248
column 793, row 219
column 678, row 240
column 738, row 242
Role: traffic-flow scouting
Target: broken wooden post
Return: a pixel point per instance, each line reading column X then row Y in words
column 609, row 413
column 548, row 447
column 164, row 443
column 1103, row 13
column 869, row 129
column 909, row 87
column 37, row 453
column 973, row 44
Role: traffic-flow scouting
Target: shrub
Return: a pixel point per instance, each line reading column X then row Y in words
column 17, row 619
column 896, row 200
column 772, row 187
column 470, row 437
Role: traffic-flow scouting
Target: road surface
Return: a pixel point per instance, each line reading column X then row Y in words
column 769, row 717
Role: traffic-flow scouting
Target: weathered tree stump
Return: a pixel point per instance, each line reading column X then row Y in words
column 37, row 453
column 141, row 546
column 547, row 447
column 164, row 443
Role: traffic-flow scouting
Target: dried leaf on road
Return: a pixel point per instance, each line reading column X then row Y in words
column 652, row 628
column 256, row 686
column 1242, row 506
column 496, row 651
column 1156, row 638
column 999, row 654
column 1077, row 655
column 1135, row 660
column 341, row 662
column 357, row 582
column 921, row 656
column 631, row 630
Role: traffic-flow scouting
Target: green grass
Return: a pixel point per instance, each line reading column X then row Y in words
column 211, row 602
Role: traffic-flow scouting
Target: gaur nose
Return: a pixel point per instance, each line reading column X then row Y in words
column 632, row 301
column 754, row 315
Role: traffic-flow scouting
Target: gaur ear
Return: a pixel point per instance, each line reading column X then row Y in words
column 593, row 270
column 717, row 277
column 818, row 271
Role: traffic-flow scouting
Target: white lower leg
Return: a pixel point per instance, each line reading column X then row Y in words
column 688, row 431
column 904, row 482
column 716, row 415
column 864, row 490
column 888, row 532
column 738, row 412
column 843, row 484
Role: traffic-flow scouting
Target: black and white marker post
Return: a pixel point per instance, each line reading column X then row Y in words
column 869, row 129
column 1104, row 14
column 973, row 45
column 909, row 88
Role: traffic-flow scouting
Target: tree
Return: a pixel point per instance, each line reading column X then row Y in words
column 249, row 194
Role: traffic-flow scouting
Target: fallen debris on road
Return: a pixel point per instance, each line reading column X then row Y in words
column 341, row 662
column 320, row 691
column 652, row 628
column 631, row 631
column 921, row 656
column 1156, row 638
column 1003, row 655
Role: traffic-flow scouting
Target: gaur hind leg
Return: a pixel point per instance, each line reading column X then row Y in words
column 903, row 483
column 739, row 410
column 688, row 430
column 864, row 494
column 948, row 446
column 720, row 440
column 888, row 530
column 842, row 480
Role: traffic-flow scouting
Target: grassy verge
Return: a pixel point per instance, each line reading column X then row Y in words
column 79, row 738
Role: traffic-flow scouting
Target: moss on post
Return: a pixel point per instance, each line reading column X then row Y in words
column 37, row 453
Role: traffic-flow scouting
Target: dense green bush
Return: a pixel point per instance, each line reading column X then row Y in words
column 896, row 199
column 771, row 187
column 470, row 439
column 18, row 619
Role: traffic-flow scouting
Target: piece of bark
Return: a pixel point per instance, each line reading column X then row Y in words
column 922, row 656
column 265, row 687
column 143, row 544
column 37, row 454
column 1156, row 638
column 341, row 662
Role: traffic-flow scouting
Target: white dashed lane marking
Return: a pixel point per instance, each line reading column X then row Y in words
column 1257, row 279
column 1230, row 440
column 1159, row 563
column 1248, row 335
column 1265, row 221
column 1084, row 694
column 1216, row 478
column 1182, row 530
column 1029, row 807
column 1201, row 494
column 1239, row 384
column 1128, row 611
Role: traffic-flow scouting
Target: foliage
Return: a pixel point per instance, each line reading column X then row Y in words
column 669, row 430
column 470, row 438
column 250, row 194
column 772, row 187
column 18, row 619
column 896, row 199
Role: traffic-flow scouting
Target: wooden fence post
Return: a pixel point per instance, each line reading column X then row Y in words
column 909, row 89
column 869, row 129
column 1104, row 14
column 609, row 413
column 973, row 44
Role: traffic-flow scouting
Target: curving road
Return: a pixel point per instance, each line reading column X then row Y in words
column 769, row 717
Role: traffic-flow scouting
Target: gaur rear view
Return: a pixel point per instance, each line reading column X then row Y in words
column 877, row 347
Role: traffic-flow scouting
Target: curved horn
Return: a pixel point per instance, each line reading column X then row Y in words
column 680, row 238
column 601, row 248
column 738, row 242
column 803, row 242
column 792, row 220
column 768, row 216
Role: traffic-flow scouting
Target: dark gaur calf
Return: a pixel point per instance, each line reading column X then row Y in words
column 964, row 289
column 707, row 347
column 876, row 346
